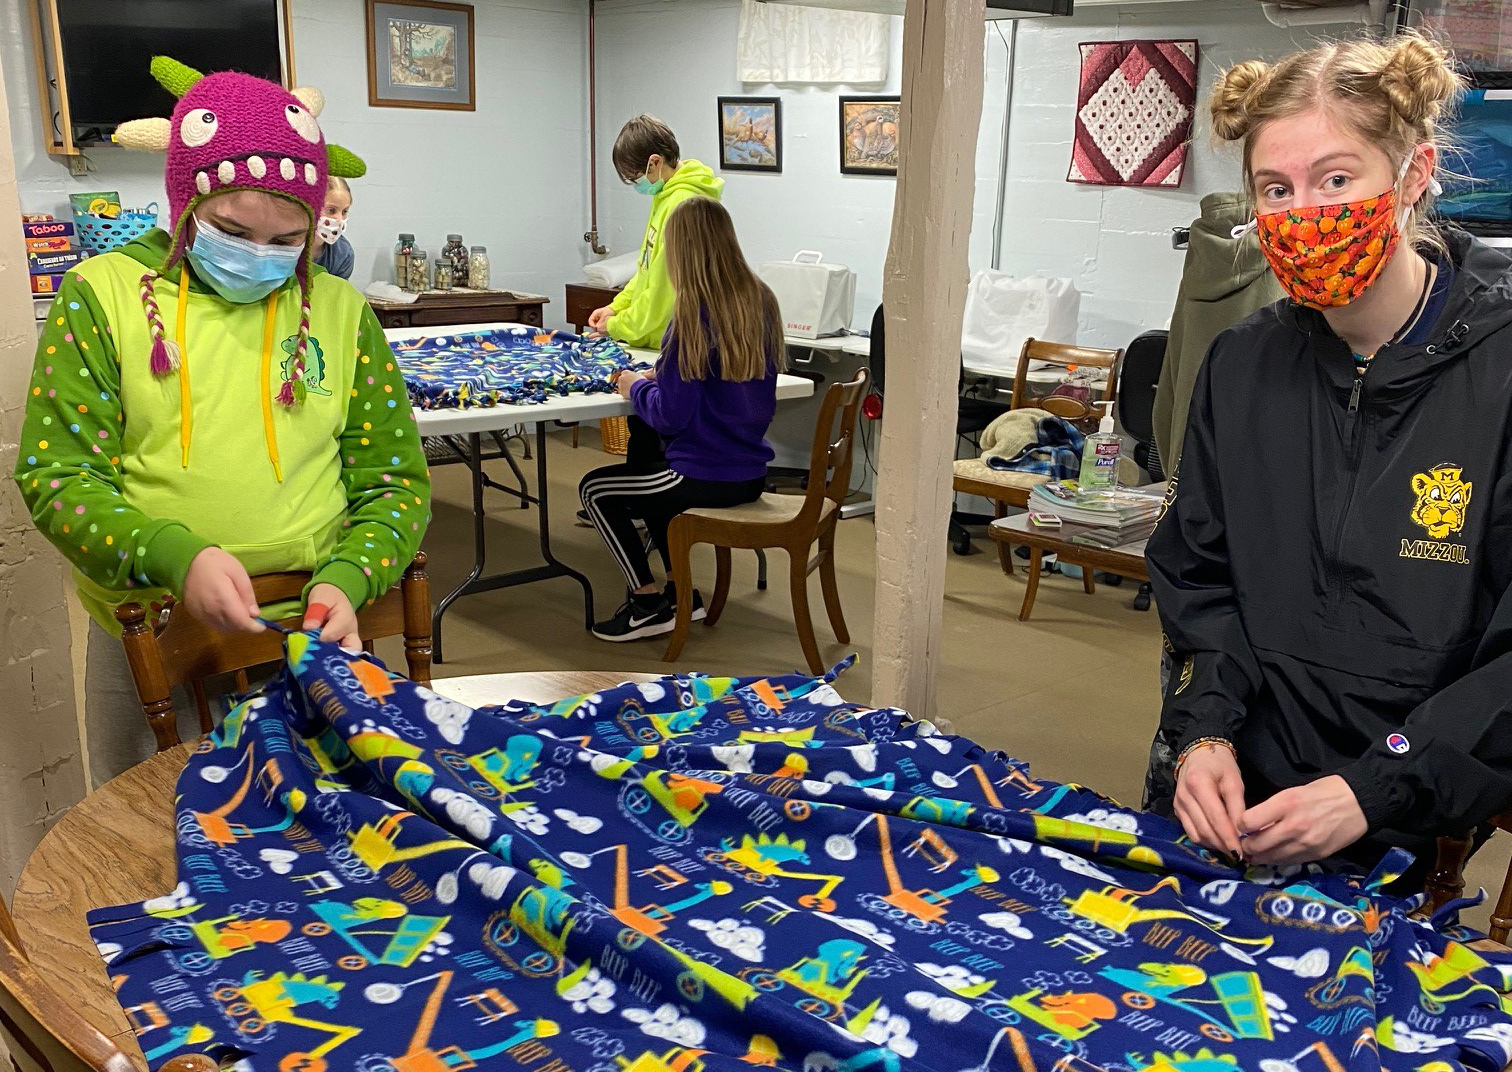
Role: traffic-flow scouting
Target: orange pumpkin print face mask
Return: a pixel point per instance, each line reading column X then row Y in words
column 1328, row 255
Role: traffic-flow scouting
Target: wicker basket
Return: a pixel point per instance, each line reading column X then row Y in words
column 615, row 432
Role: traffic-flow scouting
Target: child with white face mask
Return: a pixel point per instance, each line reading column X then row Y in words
column 334, row 252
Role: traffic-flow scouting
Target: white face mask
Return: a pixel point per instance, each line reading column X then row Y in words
column 329, row 228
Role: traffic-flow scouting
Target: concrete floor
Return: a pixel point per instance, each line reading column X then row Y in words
column 1075, row 691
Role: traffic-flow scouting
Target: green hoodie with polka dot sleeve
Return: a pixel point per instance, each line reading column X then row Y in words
column 131, row 473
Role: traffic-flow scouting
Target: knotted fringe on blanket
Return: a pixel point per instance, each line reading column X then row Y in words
column 708, row 873
column 507, row 366
column 1033, row 441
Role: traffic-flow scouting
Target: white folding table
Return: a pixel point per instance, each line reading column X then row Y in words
column 474, row 423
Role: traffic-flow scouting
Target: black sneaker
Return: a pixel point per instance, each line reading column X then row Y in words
column 699, row 614
column 638, row 617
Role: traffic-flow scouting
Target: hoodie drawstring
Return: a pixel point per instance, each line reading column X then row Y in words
column 270, row 433
column 186, row 401
column 179, row 354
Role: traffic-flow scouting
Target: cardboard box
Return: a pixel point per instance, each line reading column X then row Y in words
column 49, row 245
column 48, row 229
column 53, row 263
column 46, row 284
column 36, row 217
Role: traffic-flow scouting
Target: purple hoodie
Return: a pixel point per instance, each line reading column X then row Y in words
column 713, row 428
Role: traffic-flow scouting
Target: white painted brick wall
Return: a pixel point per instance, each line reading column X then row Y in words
column 1114, row 242
column 41, row 770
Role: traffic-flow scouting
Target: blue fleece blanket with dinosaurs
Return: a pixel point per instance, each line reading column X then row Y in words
column 506, row 366
column 708, row 873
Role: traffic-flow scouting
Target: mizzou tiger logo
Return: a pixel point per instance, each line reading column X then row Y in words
column 1442, row 500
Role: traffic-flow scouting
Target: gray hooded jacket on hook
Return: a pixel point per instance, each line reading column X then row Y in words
column 1222, row 282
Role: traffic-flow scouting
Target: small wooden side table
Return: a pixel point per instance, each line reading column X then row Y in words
column 454, row 308
column 1127, row 561
column 583, row 298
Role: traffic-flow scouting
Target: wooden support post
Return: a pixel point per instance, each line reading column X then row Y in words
column 924, row 292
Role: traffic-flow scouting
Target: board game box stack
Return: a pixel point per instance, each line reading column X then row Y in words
column 51, row 250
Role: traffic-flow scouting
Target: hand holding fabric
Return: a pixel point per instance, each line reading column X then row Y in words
column 330, row 611
column 1303, row 824
column 1210, row 798
column 218, row 592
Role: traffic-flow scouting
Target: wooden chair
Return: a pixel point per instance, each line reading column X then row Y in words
column 794, row 523
column 1447, row 879
column 45, row 1033
column 186, row 651
column 1002, row 488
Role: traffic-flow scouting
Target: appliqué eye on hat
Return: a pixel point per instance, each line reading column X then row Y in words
column 1398, row 743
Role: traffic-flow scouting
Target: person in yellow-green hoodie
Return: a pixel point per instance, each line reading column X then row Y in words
column 646, row 155
column 206, row 404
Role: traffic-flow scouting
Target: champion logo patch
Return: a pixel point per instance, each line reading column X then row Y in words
column 1398, row 743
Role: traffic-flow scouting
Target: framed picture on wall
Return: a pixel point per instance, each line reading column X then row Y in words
column 750, row 134
column 420, row 55
column 869, row 135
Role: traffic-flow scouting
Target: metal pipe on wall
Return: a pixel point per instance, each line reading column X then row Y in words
column 1011, row 44
column 591, row 236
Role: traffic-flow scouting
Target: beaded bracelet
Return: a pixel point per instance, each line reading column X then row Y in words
column 1203, row 742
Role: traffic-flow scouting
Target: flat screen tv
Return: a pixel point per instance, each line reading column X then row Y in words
column 1478, row 193
column 107, row 45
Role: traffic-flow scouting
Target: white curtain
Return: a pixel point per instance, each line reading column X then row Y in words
column 787, row 43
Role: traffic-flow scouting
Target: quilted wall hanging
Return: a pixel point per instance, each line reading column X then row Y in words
column 1134, row 108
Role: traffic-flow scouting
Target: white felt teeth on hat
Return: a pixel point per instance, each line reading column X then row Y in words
column 226, row 172
column 310, row 174
column 256, row 166
column 286, row 169
column 202, row 183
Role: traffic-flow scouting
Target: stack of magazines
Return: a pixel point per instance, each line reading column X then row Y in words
column 1112, row 517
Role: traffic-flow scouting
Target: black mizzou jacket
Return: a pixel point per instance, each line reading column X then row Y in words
column 1332, row 567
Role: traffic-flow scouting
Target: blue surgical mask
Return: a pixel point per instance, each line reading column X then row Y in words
column 238, row 270
column 644, row 185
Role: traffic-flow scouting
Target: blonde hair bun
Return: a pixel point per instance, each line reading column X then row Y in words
column 1418, row 78
column 1234, row 97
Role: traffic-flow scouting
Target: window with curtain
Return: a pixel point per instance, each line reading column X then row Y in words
column 787, row 43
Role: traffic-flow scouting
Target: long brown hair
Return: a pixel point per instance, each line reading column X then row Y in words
column 717, row 292
column 1395, row 94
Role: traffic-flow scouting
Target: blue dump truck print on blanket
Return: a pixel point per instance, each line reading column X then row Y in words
column 711, row 873
column 506, row 366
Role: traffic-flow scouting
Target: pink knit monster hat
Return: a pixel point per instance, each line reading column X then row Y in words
column 233, row 131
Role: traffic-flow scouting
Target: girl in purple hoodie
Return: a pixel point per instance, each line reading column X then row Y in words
column 711, row 397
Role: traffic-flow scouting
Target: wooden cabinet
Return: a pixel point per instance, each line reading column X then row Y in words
column 583, row 298
column 439, row 308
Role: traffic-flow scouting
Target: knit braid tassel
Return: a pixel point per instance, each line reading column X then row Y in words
column 289, row 394
column 165, row 352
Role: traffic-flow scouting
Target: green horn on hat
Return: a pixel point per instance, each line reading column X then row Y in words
column 177, row 78
column 344, row 163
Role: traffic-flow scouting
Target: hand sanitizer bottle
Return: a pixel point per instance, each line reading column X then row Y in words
column 1099, row 467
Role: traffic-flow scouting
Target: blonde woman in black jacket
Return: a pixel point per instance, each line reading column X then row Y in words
column 1332, row 569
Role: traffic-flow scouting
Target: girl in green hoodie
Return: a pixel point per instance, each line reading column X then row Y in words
column 207, row 405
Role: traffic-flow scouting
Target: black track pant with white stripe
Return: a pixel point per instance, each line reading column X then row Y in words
column 617, row 495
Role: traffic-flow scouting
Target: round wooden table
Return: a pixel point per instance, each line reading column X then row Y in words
column 117, row 846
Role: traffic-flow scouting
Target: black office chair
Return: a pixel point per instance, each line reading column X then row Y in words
column 973, row 415
column 1143, row 360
